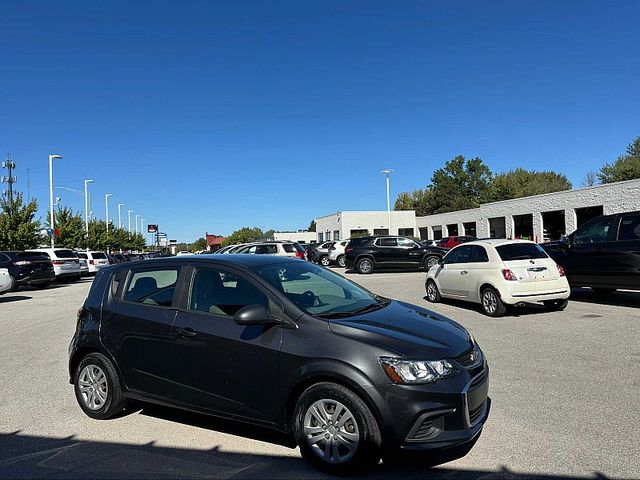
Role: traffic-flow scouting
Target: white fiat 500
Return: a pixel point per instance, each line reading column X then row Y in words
column 499, row 273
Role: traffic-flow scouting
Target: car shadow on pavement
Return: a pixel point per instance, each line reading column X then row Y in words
column 511, row 311
column 6, row 298
column 29, row 456
column 619, row 298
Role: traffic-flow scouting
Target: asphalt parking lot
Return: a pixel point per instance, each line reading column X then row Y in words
column 564, row 385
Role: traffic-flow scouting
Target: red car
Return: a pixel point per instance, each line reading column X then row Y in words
column 450, row 242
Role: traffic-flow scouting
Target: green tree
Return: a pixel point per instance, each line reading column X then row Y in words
column 70, row 226
column 18, row 228
column 243, row 235
column 626, row 167
column 312, row 226
column 200, row 244
column 460, row 184
column 524, row 183
column 418, row 200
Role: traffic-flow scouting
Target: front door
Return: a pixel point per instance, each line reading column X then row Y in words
column 410, row 252
column 588, row 259
column 453, row 275
column 387, row 251
column 223, row 366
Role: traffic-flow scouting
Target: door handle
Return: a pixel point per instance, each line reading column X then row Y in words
column 187, row 332
column 464, row 272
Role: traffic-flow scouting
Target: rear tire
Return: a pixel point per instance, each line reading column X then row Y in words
column 341, row 261
column 430, row 261
column 364, row 265
column 97, row 387
column 491, row 303
column 325, row 261
column 357, row 442
column 433, row 294
column 556, row 305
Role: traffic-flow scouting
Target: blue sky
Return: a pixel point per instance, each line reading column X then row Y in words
column 210, row 115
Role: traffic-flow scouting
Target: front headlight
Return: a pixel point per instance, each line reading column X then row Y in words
column 414, row 372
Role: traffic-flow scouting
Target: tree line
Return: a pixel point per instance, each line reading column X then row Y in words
column 466, row 183
column 21, row 230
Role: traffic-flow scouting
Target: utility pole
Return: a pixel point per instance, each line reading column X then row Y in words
column 9, row 179
column 387, row 171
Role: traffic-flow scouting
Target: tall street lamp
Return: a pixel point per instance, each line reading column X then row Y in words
column 387, row 171
column 86, row 208
column 51, row 158
column 137, row 217
column 142, row 226
column 129, row 213
column 120, row 205
column 106, row 208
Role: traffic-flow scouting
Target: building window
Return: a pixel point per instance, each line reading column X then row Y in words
column 553, row 225
column 336, row 235
column 321, row 237
column 359, row 233
column 583, row 215
column 523, row 226
column 437, row 232
column 405, row 232
column 497, row 227
column 424, row 233
column 452, row 229
column 381, row 231
column 470, row 229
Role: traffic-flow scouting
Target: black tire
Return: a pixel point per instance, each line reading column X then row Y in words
column 341, row 261
column 364, row 265
column 556, row 305
column 42, row 286
column 493, row 307
column 115, row 400
column 430, row 261
column 324, row 261
column 603, row 291
column 433, row 294
column 367, row 452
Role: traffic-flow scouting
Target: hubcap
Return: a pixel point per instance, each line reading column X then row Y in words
column 341, row 261
column 489, row 301
column 331, row 431
column 93, row 387
column 324, row 261
column 431, row 262
column 431, row 291
column 365, row 266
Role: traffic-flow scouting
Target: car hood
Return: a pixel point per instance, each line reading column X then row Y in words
column 407, row 330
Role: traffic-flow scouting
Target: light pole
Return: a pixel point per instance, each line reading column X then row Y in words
column 142, row 227
column 137, row 217
column 387, row 171
column 86, row 208
column 106, row 208
column 120, row 215
column 51, row 157
column 130, row 221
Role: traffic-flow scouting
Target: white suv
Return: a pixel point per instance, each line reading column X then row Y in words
column 498, row 273
column 6, row 281
column 66, row 263
column 284, row 249
column 336, row 252
column 95, row 261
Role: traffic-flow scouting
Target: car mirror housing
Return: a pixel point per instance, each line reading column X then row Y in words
column 259, row 315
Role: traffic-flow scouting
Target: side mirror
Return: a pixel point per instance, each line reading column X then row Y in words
column 252, row 315
column 441, row 261
column 566, row 240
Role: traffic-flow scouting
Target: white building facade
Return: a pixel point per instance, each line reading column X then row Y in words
column 348, row 224
column 300, row 237
column 538, row 218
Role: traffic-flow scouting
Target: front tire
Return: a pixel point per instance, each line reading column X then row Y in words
column 325, row 261
column 491, row 303
column 97, row 387
column 433, row 294
column 336, row 431
column 556, row 305
column 341, row 261
column 430, row 261
column 364, row 265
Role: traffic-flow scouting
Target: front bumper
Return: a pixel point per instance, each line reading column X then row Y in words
column 438, row 416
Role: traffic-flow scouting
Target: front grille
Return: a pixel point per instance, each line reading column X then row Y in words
column 469, row 359
column 476, row 413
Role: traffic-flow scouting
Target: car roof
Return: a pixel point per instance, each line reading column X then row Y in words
column 495, row 242
column 230, row 259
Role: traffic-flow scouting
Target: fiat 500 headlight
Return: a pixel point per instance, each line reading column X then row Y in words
column 414, row 372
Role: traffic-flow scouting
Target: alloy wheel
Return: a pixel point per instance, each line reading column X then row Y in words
column 324, row 261
column 93, row 387
column 331, row 431
column 431, row 291
column 365, row 266
column 489, row 301
column 341, row 262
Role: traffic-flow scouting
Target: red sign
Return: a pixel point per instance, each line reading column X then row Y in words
column 152, row 228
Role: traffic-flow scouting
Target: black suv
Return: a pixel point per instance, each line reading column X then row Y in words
column 283, row 344
column 603, row 254
column 28, row 268
column 368, row 253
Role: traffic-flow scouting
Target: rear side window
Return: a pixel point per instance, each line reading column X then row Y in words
column 387, row 242
column 99, row 255
column 520, row 251
column 65, row 254
column 266, row 249
column 152, row 287
column 82, row 255
column 479, row 254
column 288, row 247
column 629, row 228
column 357, row 242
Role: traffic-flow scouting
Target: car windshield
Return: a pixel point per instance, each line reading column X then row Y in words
column 318, row 291
column 65, row 254
column 520, row 251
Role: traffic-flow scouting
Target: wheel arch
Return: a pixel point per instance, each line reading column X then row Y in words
column 485, row 285
column 365, row 255
column 85, row 350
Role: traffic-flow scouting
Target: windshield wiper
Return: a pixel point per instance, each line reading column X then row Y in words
column 381, row 302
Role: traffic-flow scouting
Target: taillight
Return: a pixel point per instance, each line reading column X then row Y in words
column 509, row 275
column 58, row 262
column 300, row 255
column 561, row 270
column 92, row 262
column 348, row 250
column 24, row 262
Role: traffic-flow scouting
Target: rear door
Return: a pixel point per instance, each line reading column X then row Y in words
column 386, row 251
column 223, row 366
column 136, row 326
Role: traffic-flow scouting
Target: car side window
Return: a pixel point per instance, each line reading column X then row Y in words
column 266, row 249
column 152, row 287
column 4, row 258
column 479, row 254
column 465, row 254
column 451, row 257
column 629, row 228
column 406, row 242
column 387, row 242
column 595, row 232
column 223, row 293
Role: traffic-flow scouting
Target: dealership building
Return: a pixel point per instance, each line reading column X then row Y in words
column 539, row 218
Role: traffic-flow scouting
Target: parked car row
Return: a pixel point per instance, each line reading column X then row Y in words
column 278, row 247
